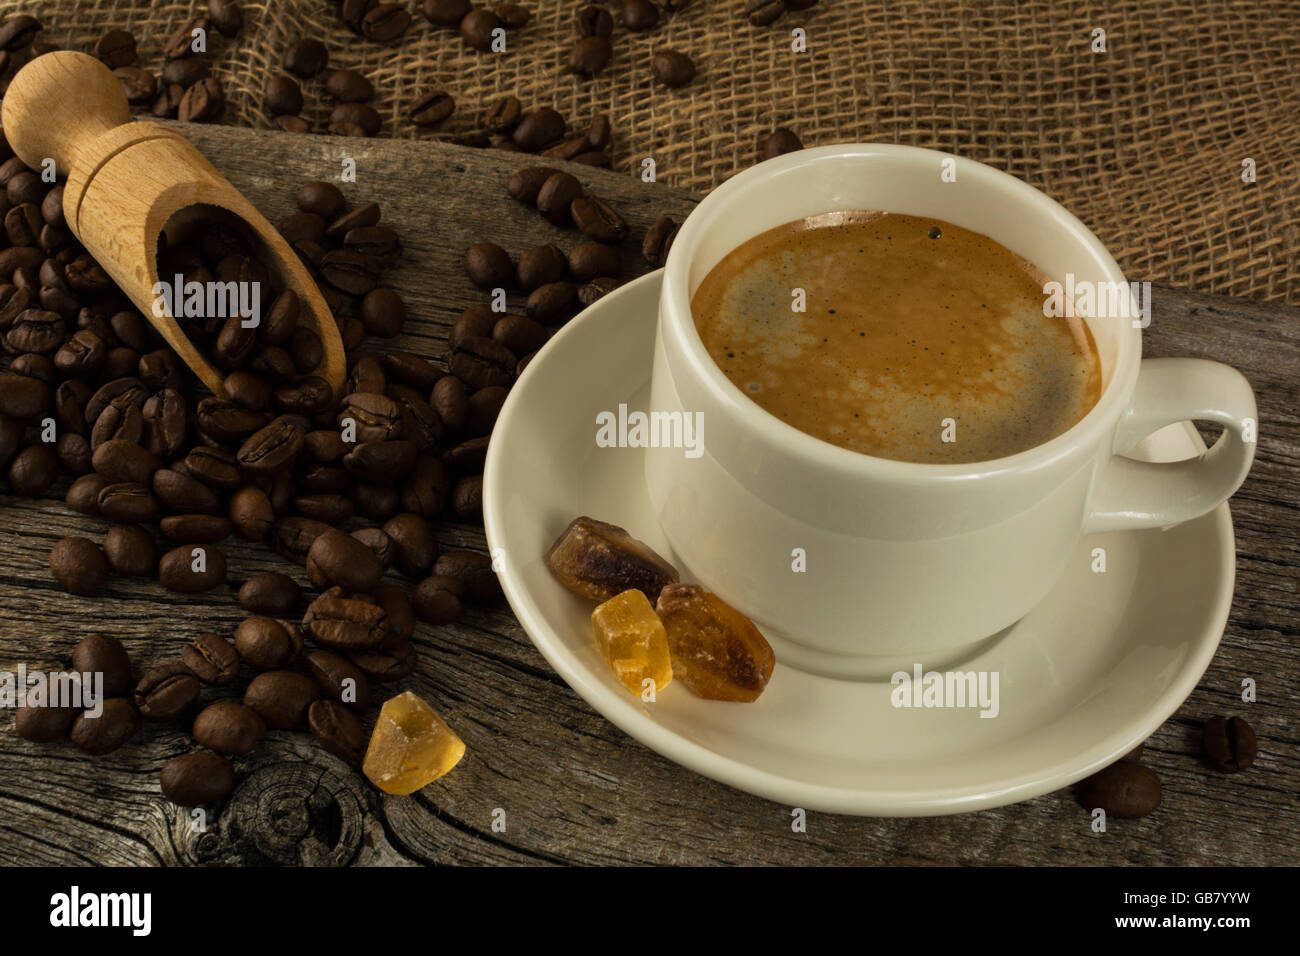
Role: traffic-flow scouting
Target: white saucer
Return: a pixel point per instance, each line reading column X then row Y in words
column 1086, row 676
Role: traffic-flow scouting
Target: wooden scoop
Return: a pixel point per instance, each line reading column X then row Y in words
column 125, row 183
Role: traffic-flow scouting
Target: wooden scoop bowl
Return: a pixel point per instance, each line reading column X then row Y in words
column 126, row 181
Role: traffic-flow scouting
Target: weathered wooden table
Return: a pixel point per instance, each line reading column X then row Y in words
column 573, row 787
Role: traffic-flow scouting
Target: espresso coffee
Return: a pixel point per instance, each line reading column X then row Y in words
column 898, row 337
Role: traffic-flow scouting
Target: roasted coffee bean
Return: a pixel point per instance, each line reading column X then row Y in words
column 210, row 658
column 513, row 15
column 336, row 558
column 307, row 348
column 401, row 618
column 33, row 470
column 273, row 448
column 323, row 445
column 190, row 569
column 474, row 571
column 251, row 514
column 225, row 421
column 370, row 416
column 1125, row 790
column 267, row 644
column 116, row 724
column 476, row 321
column 446, row 13
column 193, row 780
column 540, row 265
column 415, row 544
column 83, row 354
column 79, row 565
column 467, row 498
column 23, row 224
column 385, row 22
column 118, row 422
column 477, row 28
column 437, row 599
column 269, row 593
column 778, row 142
column 359, row 218
column 386, row 664
column 73, row 452
column 115, row 48
column 640, row 15
column 468, row 457
column 426, row 490
column 184, row 73
column 166, row 692
column 158, row 369
column 377, row 242
column 40, row 721
column 380, row 544
column 124, row 461
column 591, row 54
column 484, row 407
column 346, row 623
column 183, row 494
column 340, row 680
column 83, row 495
column 1229, row 743
column 366, row 375
column 337, row 730
column 227, row 16
column 140, row 86
column 597, row 219
column 488, row 265
column 293, row 537
column 322, row 198
column 658, row 241
column 228, row 727
column 306, row 58
column 591, row 260
column 763, row 12
column 539, row 129
column 551, row 303
column 22, row 397
column 420, row 423
column 283, row 95
column 282, row 698
column 524, row 184
column 480, row 362
column 348, row 86
column 503, row 115
column 36, row 330
column 383, row 313
column 101, row 654
column 246, row 389
column 196, row 529
column 431, row 109
column 450, row 401
column 672, row 68
column 350, row 272
column 597, row 288
column 130, row 551
column 204, row 102
column 329, row 508
column 556, row 197
column 307, row 396
column 359, row 115
column 214, row 467
column 594, row 21
column 380, row 462
column 128, row 503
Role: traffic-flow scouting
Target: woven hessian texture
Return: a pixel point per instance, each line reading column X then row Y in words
column 1144, row 142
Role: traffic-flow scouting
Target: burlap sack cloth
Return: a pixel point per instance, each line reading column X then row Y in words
column 1144, row 142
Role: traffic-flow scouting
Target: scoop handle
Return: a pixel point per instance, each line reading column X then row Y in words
column 58, row 105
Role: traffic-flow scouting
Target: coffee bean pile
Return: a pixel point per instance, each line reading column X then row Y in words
column 1126, row 790
column 362, row 630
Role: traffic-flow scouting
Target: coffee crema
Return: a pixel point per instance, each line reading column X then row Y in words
column 918, row 340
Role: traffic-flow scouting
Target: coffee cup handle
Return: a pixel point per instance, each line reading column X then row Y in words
column 1133, row 494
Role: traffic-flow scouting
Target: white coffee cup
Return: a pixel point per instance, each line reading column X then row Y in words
column 903, row 559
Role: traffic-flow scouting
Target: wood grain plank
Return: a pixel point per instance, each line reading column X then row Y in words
column 574, row 788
